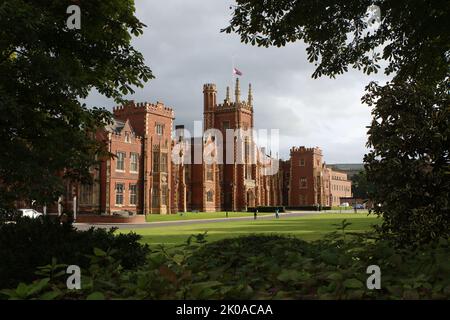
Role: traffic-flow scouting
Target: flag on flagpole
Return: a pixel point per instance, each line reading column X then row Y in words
column 237, row 72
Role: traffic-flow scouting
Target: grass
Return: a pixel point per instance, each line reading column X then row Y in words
column 197, row 215
column 309, row 228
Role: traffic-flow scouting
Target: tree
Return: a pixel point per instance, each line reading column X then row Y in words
column 360, row 186
column 409, row 163
column 409, row 137
column 46, row 68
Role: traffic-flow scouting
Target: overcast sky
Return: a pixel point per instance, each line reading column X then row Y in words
column 183, row 46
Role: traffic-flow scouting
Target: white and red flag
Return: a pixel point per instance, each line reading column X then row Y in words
column 237, row 72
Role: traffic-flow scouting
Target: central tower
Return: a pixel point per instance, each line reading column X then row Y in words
column 236, row 179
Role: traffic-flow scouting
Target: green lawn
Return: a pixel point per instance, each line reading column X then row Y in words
column 307, row 227
column 198, row 215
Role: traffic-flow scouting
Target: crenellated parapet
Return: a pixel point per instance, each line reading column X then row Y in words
column 118, row 136
column 209, row 87
column 303, row 149
column 241, row 105
column 131, row 107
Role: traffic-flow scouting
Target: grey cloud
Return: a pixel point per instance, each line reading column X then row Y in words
column 184, row 48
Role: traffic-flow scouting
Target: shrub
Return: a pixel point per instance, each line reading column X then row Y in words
column 276, row 267
column 29, row 243
column 260, row 267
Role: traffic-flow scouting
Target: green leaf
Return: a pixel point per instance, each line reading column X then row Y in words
column 51, row 295
column 289, row 275
column 353, row 283
column 38, row 286
column 99, row 252
column 336, row 276
column 96, row 296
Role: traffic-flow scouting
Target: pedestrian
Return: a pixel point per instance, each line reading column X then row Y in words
column 255, row 214
column 227, row 214
column 276, row 214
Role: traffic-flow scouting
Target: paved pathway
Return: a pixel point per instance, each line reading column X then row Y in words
column 158, row 224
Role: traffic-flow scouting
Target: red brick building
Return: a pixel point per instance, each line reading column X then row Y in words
column 311, row 182
column 224, row 184
column 155, row 172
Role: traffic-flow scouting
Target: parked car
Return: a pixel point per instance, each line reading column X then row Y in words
column 359, row 206
column 30, row 213
column 345, row 204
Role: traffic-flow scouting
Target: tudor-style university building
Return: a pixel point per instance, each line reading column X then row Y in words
column 144, row 178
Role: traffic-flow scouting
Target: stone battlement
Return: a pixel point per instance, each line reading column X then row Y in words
column 118, row 136
column 303, row 149
column 209, row 86
column 158, row 108
column 230, row 104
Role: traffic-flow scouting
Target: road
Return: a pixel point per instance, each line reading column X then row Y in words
column 85, row 226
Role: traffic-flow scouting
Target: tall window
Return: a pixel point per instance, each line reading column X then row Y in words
column 120, row 161
column 134, row 162
column 86, row 194
column 302, row 162
column 248, row 160
column 209, row 196
column 133, row 194
column 159, row 129
column 164, row 195
column 209, row 172
column 249, row 171
column 163, row 166
column 119, row 193
column 155, row 197
column 156, row 161
column 303, row 183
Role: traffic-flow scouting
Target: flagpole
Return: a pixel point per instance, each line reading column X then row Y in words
column 233, row 75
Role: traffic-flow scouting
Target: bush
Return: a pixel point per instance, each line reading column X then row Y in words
column 29, row 243
column 276, row 267
column 261, row 267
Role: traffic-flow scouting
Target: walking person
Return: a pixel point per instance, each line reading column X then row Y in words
column 255, row 214
column 277, row 213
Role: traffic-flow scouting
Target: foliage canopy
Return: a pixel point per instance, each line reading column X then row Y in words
column 45, row 70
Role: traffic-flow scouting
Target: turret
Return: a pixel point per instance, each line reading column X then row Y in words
column 250, row 95
column 209, row 96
